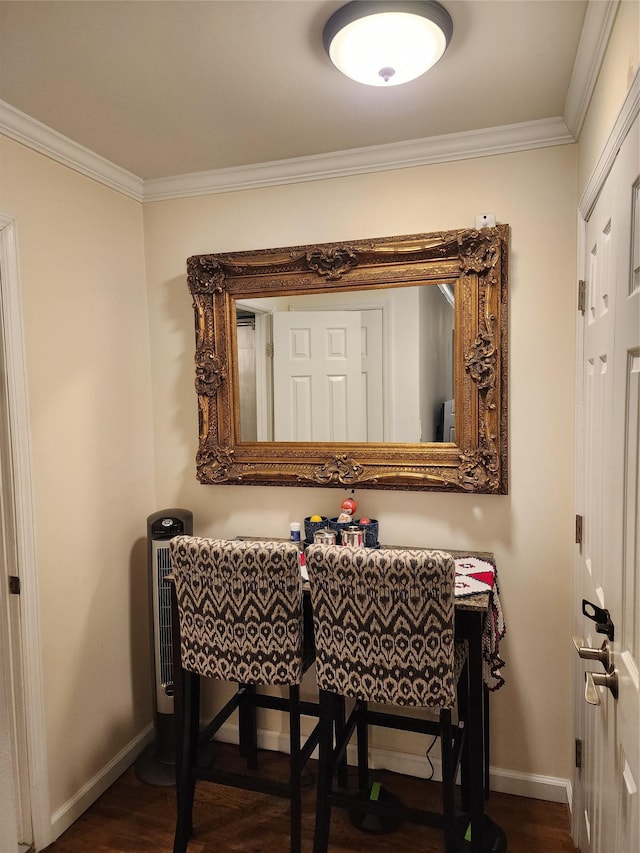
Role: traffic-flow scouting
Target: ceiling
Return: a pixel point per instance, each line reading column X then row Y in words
column 169, row 88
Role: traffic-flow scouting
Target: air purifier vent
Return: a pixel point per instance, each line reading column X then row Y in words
column 164, row 656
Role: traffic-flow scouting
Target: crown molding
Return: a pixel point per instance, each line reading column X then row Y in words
column 36, row 135
column 376, row 158
column 357, row 161
column 596, row 29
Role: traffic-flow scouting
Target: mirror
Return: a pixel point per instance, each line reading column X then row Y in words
column 382, row 372
column 410, row 391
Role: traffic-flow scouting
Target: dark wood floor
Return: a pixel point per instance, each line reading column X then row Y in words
column 132, row 817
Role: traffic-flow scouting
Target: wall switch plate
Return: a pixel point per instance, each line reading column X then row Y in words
column 485, row 220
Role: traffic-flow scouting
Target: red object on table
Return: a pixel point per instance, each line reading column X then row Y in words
column 349, row 505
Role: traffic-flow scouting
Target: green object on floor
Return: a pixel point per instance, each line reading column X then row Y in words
column 365, row 812
column 494, row 840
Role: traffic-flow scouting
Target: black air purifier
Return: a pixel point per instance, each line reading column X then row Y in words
column 156, row 765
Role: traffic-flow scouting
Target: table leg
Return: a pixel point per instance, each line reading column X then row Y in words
column 487, row 735
column 475, row 734
column 463, row 713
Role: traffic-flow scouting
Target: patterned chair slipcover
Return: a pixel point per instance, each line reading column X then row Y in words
column 384, row 624
column 240, row 609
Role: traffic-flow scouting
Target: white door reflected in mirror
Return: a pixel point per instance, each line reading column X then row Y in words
column 318, row 386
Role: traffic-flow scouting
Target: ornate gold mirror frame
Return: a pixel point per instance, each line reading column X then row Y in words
column 474, row 263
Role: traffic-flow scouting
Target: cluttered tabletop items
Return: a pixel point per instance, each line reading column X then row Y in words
column 341, row 530
column 476, row 584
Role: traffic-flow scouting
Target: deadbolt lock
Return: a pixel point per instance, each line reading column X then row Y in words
column 600, row 616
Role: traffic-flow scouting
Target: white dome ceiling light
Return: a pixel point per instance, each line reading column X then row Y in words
column 381, row 43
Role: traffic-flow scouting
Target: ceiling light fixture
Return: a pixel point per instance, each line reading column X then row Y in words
column 382, row 43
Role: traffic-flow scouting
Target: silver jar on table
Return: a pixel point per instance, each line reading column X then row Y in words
column 324, row 536
column 353, row 535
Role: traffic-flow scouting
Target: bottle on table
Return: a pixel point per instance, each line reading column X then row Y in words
column 294, row 536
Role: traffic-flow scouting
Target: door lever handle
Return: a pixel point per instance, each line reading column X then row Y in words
column 587, row 653
column 593, row 680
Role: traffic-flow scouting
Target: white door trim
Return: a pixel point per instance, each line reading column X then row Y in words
column 264, row 366
column 25, row 546
column 626, row 117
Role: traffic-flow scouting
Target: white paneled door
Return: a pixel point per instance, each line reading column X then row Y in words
column 606, row 802
column 318, row 392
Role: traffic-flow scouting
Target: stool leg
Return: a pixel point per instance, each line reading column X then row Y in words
column 362, row 731
column 185, row 781
column 295, row 774
column 248, row 725
column 340, row 717
column 327, row 714
column 448, row 779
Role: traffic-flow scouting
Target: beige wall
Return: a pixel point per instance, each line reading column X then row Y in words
column 82, row 276
column 530, row 530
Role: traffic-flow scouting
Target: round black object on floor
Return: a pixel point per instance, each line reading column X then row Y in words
column 154, row 770
column 495, row 841
column 365, row 818
column 154, row 767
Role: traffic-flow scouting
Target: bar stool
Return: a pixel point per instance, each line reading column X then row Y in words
column 237, row 617
column 384, row 633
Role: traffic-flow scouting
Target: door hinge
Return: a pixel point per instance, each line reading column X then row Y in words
column 14, row 585
column 578, row 753
column 578, row 530
column 582, row 296
column 268, row 348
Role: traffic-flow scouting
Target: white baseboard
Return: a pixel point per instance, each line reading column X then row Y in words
column 538, row 787
column 551, row 788
column 70, row 811
column 532, row 785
